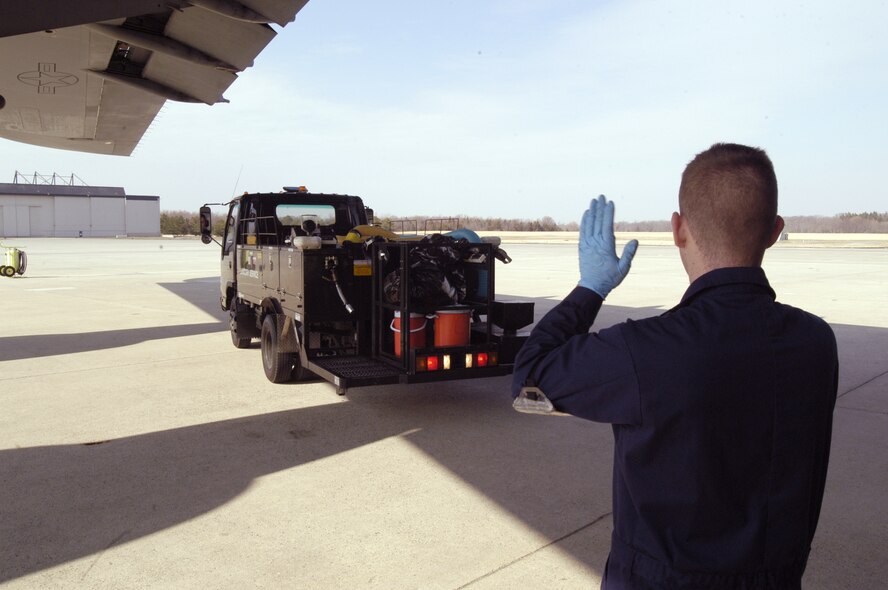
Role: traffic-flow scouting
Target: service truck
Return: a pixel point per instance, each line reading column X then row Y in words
column 329, row 294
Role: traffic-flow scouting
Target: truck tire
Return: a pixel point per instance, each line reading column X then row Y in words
column 235, row 338
column 278, row 365
column 300, row 373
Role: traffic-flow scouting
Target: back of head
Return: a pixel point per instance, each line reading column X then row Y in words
column 728, row 197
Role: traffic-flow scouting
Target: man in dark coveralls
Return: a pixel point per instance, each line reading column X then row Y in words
column 721, row 407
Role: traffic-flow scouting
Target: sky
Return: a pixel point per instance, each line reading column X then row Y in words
column 524, row 109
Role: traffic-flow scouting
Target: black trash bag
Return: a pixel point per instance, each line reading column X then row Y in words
column 391, row 287
column 436, row 273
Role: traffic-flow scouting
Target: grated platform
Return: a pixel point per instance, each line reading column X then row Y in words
column 356, row 367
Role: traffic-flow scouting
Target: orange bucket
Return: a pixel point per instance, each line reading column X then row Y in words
column 417, row 337
column 452, row 327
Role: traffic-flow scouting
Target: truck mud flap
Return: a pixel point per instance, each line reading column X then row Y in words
column 288, row 340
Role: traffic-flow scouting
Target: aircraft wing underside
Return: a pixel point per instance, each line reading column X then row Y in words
column 92, row 75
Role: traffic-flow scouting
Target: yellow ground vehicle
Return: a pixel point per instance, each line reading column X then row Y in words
column 13, row 261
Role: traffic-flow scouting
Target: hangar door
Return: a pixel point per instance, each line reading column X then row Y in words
column 23, row 221
column 72, row 217
column 107, row 217
column 15, row 220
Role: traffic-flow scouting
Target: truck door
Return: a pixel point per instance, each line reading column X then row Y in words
column 228, row 269
column 250, row 262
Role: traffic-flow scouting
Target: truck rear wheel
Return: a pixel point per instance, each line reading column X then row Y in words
column 299, row 372
column 278, row 365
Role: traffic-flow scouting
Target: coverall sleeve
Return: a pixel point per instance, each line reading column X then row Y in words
column 591, row 376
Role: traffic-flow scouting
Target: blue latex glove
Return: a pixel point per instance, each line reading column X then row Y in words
column 600, row 269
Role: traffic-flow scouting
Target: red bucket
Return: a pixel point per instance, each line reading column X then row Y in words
column 417, row 335
column 452, row 326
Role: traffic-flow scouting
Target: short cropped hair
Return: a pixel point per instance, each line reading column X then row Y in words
column 728, row 196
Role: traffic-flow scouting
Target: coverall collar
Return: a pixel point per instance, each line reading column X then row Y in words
column 753, row 275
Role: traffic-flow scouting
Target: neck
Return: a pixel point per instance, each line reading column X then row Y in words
column 696, row 265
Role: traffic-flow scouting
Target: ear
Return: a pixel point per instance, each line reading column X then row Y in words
column 779, row 225
column 679, row 232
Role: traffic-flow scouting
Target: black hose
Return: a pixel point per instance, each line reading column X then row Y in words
column 348, row 306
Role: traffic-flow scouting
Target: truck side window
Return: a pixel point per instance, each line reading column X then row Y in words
column 230, row 230
column 251, row 235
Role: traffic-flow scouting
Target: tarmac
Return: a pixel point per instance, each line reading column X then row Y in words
column 140, row 449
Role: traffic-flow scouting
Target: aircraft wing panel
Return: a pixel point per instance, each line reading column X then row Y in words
column 279, row 12
column 124, row 117
column 199, row 83
column 96, row 87
column 30, row 16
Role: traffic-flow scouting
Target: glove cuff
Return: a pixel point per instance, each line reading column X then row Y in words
column 595, row 288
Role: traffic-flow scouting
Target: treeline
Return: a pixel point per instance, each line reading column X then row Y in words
column 185, row 223
column 420, row 223
column 843, row 223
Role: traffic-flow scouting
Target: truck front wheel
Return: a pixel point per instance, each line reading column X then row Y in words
column 236, row 339
column 278, row 365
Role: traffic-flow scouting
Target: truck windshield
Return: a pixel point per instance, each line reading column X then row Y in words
column 295, row 214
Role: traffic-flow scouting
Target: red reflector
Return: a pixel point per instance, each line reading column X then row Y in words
column 421, row 363
column 432, row 363
column 493, row 359
column 481, row 359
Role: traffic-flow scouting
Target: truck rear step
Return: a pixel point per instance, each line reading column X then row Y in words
column 354, row 371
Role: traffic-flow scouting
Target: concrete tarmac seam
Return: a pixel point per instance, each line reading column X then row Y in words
column 535, row 551
column 856, row 387
column 864, row 410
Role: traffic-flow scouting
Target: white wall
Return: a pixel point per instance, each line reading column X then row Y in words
column 108, row 217
column 142, row 217
column 72, row 216
column 26, row 216
column 68, row 216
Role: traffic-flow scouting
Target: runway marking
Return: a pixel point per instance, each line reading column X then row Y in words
column 53, row 289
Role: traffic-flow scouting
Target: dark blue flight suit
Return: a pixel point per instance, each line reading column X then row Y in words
column 722, row 416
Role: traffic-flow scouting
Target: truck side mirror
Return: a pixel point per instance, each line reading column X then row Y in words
column 369, row 213
column 206, row 225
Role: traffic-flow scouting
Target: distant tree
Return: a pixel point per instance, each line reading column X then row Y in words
column 218, row 225
column 179, row 223
column 186, row 223
column 872, row 222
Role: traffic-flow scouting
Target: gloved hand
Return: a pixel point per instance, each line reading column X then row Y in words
column 600, row 269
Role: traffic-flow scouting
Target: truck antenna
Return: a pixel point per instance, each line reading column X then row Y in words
column 237, row 181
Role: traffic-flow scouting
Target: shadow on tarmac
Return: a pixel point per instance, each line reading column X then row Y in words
column 71, row 501
column 194, row 291
column 75, row 500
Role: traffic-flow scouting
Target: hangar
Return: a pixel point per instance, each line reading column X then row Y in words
column 65, row 211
